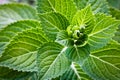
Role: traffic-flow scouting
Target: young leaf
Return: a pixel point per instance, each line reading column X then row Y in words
column 64, row 39
column 84, row 18
column 20, row 54
column 77, row 54
column 97, row 5
column 102, row 32
column 7, row 33
column 52, row 61
column 104, row 64
column 64, row 7
column 10, row 13
column 52, row 23
column 75, row 73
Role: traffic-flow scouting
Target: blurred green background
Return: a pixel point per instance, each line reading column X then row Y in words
column 112, row 3
column 30, row 2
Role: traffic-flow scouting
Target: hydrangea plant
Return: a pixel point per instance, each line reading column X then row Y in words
column 59, row 40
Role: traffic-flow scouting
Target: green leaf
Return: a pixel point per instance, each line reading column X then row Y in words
column 117, row 35
column 102, row 32
column 8, row 32
column 64, row 39
column 114, row 3
column 52, row 61
column 10, row 13
column 64, row 7
column 9, row 74
column 77, row 54
column 104, row 64
column 21, row 52
column 75, row 73
column 33, row 76
column 52, row 23
column 84, row 18
column 115, row 13
column 98, row 6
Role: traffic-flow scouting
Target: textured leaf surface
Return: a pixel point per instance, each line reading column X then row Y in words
column 75, row 73
column 51, row 61
column 84, row 18
column 20, row 54
column 52, row 23
column 13, row 12
column 64, row 39
column 117, row 35
column 114, row 3
column 9, row 74
column 33, row 76
column 103, row 31
column 104, row 64
column 77, row 54
column 97, row 5
column 65, row 7
column 116, row 13
column 7, row 33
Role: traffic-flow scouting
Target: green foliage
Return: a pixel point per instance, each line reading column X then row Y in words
column 114, row 3
column 64, row 7
column 104, row 64
column 60, row 40
column 10, row 13
column 9, row 74
column 84, row 18
column 103, row 31
column 77, row 54
column 12, row 30
column 51, row 24
column 52, row 61
column 97, row 6
column 75, row 73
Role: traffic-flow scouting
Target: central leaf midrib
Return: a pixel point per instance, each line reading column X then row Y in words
column 77, row 52
column 51, row 24
column 53, row 62
column 75, row 70
column 21, row 55
column 5, row 65
column 92, row 34
column 52, row 6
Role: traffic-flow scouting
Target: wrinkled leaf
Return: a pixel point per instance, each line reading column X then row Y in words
column 102, row 32
column 98, row 6
column 21, row 52
column 64, row 39
column 104, row 63
column 52, row 23
column 75, row 73
column 77, row 54
column 52, row 61
column 64, row 7
column 9, row 74
column 114, row 3
column 84, row 18
column 8, row 33
column 10, row 13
